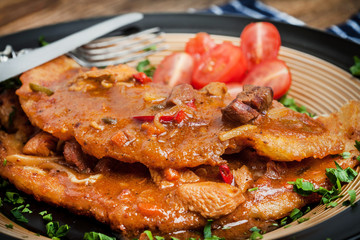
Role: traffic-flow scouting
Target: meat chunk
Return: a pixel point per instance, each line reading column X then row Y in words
column 248, row 104
column 181, row 94
column 76, row 157
column 243, row 178
column 210, row 199
column 42, row 144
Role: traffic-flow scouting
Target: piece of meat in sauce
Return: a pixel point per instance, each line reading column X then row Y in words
column 111, row 115
column 248, row 104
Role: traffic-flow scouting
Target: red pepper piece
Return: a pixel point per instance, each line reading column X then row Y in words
column 226, row 174
column 191, row 104
column 166, row 118
column 144, row 118
column 142, row 78
column 180, row 116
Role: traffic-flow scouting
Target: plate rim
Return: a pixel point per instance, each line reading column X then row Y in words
column 340, row 54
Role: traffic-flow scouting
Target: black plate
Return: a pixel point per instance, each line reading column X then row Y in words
column 325, row 46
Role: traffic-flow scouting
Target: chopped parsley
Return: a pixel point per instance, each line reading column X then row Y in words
column 56, row 231
column 290, row 103
column 14, row 198
column 4, row 162
column 301, row 220
column 42, row 41
column 336, row 176
column 255, row 233
column 345, row 155
column 296, row 214
column 151, row 48
column 146, row 67
column 10, row 226
column 99, row 236
column 253, row 189
column 357, row 146
column 46, row 216
column 351, row 201
column 355, row 69
column 17, row 212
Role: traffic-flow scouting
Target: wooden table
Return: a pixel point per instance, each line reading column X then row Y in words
column 17, row 15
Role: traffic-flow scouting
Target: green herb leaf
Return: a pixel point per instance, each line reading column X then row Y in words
column 38, row 88
column 97, row 236
column 18, row 215
column 9, row 226
column 301, row 220
column 295, row 214
column 255, row 233
column 42, row 41
column 146, row 67
column 207, row 229
column 340, row 174
column 55, row 231
column 355, row 69
column 14, row 198
column 4, row 162
column 351, row 201
column 302, row 187
column 253, row 189
column 149, row 234
column 290, row 103
column 151, row 48
column 345, row 155
column 283, row 221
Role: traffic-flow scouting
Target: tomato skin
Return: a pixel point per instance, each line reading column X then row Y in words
column 224, row 63
column 199, row 46
column 260, row 41
column 175, row 69
column 272, row 73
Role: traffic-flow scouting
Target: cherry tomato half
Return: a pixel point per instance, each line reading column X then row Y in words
column 259, row 42
column 272, row 73
column 199, row 46
column 224, row 63
column 175, row 69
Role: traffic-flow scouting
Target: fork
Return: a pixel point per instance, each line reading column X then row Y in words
column 109, row 50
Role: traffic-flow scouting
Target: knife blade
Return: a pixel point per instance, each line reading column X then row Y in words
column 34, row 58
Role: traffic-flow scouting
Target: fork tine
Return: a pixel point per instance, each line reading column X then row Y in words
column 114, row 54
column 114, row 61
column 118, row 50
column 101, row 43
column 118, row 47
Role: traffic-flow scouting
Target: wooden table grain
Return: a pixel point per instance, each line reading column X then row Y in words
column 18, row 15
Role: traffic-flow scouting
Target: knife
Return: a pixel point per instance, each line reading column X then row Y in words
column 22, row 63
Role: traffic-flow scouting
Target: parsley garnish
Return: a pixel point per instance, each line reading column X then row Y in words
column 9, row 226
column 255, row 233
column 290, row 103
column 301, row 220
column 336, row 176
column 355, row 69
column 55, row 231
column 345, row 155
column 296, row 214
column 17, row 213
column 146, row 67
column 253, row 189
column 46, row 216
column 351, row 201
column 357, row 146
column 42, row 41
column 99, row 236
column 14, row 198
column 4, row 162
